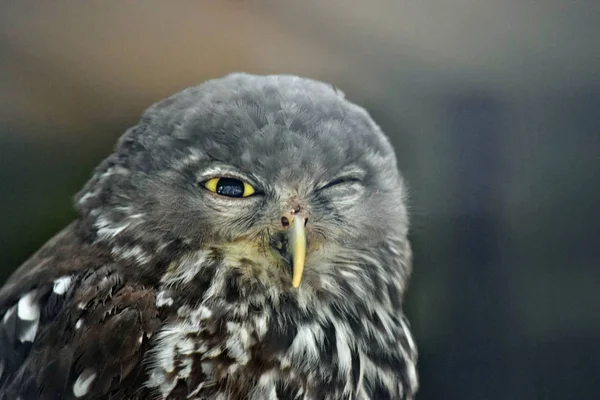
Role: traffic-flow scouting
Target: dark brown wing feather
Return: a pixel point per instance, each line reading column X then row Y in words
column 66, row 253
column 89, row 339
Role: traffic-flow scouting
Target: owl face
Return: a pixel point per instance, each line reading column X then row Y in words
column 269, row 176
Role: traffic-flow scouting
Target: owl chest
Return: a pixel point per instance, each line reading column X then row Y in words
column 200, row 356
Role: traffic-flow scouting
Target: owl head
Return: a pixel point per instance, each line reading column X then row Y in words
column 278, row 181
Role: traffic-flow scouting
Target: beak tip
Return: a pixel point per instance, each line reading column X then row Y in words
column 296, row 282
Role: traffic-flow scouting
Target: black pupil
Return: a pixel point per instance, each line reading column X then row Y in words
column 230, row 187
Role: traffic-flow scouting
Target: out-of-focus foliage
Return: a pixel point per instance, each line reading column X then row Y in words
column 492, row 107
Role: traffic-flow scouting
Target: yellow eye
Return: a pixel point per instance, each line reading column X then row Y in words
column 229, row 187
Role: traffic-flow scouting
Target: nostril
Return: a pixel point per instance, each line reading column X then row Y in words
column 305, row 221
column 285, row 222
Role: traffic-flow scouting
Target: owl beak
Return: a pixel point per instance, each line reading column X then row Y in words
column 297, row 243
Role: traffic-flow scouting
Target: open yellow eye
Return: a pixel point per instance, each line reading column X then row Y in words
column 229, row 187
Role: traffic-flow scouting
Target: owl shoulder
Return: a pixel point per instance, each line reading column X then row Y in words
column 72, row 326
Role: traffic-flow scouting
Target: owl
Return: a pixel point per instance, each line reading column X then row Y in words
column 247, row 239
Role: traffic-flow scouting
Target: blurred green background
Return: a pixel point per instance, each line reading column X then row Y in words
column 493, row 107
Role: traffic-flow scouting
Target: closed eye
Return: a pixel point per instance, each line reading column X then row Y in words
column 341, row 181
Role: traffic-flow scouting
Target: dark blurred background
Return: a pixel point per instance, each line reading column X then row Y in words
column 493, row 107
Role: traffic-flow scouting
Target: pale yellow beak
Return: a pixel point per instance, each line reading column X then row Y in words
column 297, row 243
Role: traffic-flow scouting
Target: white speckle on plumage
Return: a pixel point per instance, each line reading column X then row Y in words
column 186, row 346
column 232, row 327
column 260, row 325
column 171, row 349
column 81, row 387
column 304, row 345
column 166, row 353
column 408, row 335
column 107, row 229
column 162, row 299
column 238, row 342
column 61, row 285
column 184, row 369
column 194, row 316
column 202, row 348
column 184, row 311
column 266, row 378
column 213, row 352
column 346, row 274
column 79, row 323
column 343, row 349
column 361, row 374
column 117, row 170
column 266, row 387
column 196, row 390
column 28, row 309
column 135, row 253
column 411, row 371
column 155, row 379
column 86, row 196
column 204, row 313
column 385, row 320
column 409, row 353
column 232, row 368
column 207, row 368
column 245, row 337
